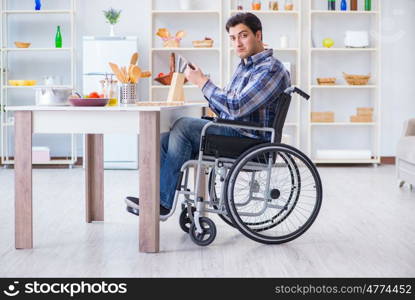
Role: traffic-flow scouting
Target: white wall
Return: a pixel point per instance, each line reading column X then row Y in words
column 398, row 66
column 398, row 62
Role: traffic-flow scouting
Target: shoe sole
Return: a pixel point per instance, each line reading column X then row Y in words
column 131, row 203
column 132, row 211
column 135, row 212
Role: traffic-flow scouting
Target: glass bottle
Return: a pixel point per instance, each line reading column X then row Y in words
column 368, row 5
column 353, row 4
column 110, row 91
column 113, row 92
column 289, row 5
column 38, row 4
column 273, row 5
column 239, row 5
column 343, row 5
column 58, row 38
column 256, row 5
column 331, row 4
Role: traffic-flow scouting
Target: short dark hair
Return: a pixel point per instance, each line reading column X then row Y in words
column 248, row 19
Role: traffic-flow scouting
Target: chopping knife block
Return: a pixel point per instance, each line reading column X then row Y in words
column 176, row 92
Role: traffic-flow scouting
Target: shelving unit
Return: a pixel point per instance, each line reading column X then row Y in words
column 36, row 12
column 292, row 54
column 164, row 14
column 6, row 49
column 342, row 98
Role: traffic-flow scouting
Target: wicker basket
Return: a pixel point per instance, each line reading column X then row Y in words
column 203, row 44
column 326, row 81
column 171, row 43
column 364, row 111
column 356, row 79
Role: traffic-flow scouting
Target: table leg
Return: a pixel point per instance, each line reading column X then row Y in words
column 23, row 180
column 94, row 177
column 149, row 181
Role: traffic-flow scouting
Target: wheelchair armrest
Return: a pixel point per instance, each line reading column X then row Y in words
column 208, row 118
column 234, row 122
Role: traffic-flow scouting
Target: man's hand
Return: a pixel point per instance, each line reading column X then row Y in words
column 195, row 76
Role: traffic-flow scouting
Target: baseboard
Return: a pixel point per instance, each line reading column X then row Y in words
column 79, row 162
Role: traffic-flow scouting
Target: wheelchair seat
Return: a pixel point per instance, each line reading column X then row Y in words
column 228, row 146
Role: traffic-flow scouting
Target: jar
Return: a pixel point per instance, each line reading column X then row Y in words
column 289, row 5
column 239, row 5
column 256, row 5
column 273, row 4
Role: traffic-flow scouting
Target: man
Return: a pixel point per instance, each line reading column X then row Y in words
column 250, row 96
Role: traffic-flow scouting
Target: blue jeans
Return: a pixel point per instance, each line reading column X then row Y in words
column 178, row 146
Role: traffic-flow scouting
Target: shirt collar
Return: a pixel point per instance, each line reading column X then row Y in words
column 257, row 58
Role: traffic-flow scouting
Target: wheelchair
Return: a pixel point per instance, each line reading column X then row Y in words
column 269, row 191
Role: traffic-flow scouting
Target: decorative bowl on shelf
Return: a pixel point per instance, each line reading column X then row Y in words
column 22, row 44
column 356, row 79
column 165, row 79
column 22, row 82
column 206, row 43
column 326, row 81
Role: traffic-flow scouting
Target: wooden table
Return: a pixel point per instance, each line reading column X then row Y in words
column 147, row 121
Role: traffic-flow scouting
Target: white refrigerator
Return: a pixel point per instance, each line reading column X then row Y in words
column 120, row 151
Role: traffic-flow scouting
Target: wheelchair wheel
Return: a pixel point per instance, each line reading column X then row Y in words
column 285, row 201
column 207, row 236
column 213, row 179
column 184, row 219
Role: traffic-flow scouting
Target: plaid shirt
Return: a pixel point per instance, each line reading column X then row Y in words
column 251, row 93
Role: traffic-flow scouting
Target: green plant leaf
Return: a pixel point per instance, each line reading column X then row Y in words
column 112, row 15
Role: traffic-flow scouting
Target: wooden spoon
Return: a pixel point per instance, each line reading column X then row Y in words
column 130, row 73
column 134, row 59
column 136, row 74
column 117, row 71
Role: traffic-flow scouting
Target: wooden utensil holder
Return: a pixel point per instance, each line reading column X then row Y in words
column 176, row 92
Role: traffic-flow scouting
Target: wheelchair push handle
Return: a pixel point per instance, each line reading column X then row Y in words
column 294, row 89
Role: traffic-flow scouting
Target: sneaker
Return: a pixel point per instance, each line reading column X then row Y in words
column 132, row 206
column 132, row 202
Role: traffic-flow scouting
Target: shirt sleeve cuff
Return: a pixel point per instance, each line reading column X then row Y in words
column 208, row 89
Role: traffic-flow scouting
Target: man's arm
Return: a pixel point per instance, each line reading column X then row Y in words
column 263, row 87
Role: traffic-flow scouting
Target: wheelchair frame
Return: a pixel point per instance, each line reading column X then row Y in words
column 222, row 166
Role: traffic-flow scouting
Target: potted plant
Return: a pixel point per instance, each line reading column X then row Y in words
column 112, row 15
